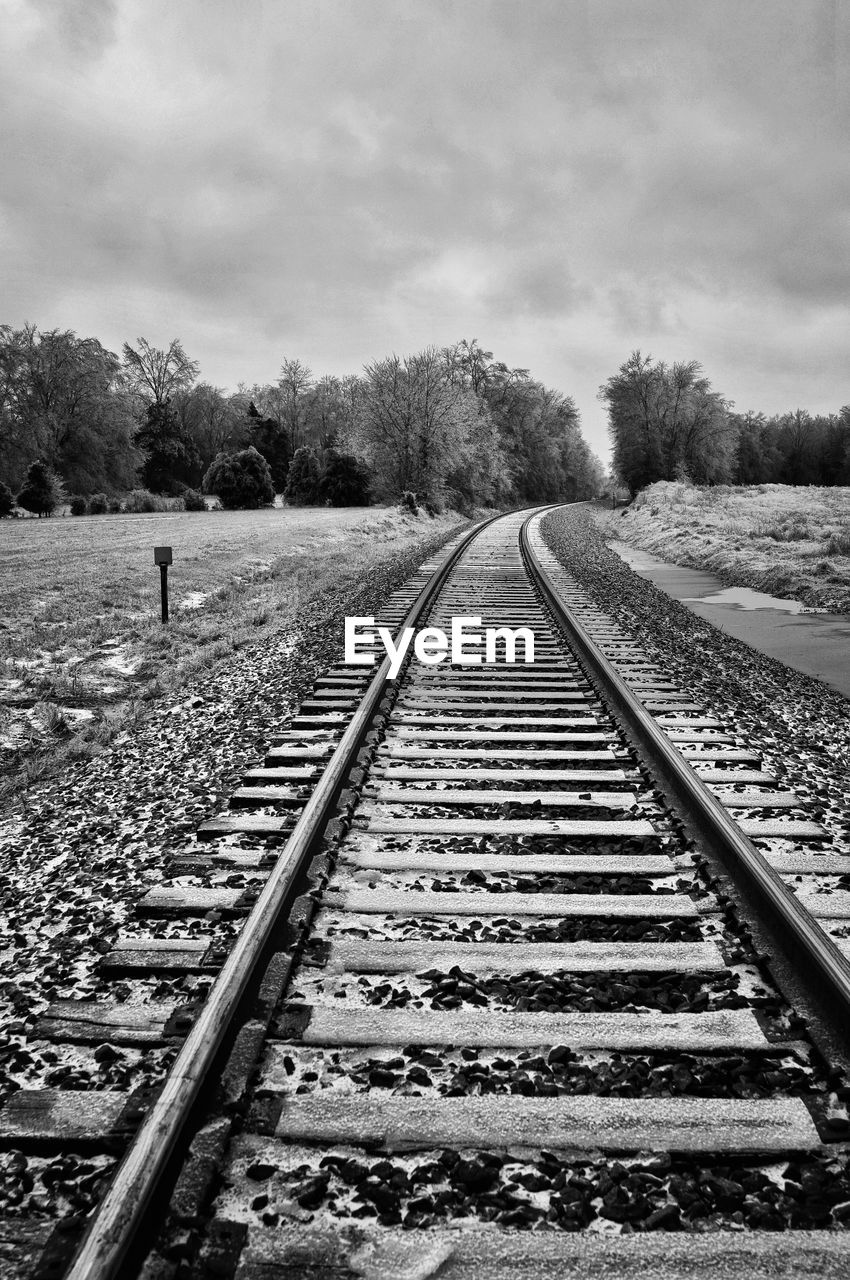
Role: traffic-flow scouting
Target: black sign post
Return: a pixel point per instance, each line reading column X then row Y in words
column 162, row 556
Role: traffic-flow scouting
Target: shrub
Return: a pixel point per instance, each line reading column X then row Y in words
column 838, row 544
column 79, row 505
column 460, row 502
column 791, row 528
column 7, row 500
column 240, row 480
column 53, row 718
column 302, row 484
column 193, row 501
column 143, row 501
column 43, row 490
column 408, row 503
column 345, row 481
column 114, row 506
column 98, row 504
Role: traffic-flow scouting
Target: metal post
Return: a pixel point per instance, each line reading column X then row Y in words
column 163, row 557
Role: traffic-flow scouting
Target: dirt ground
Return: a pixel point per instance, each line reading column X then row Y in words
column 790, row 541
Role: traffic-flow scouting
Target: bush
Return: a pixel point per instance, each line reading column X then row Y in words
column 141, row 501
column 193, row 501
column 43, row 490
column 114, row 506
column 838, row 544
column 7, row 500
column 302, row 484
column 408, row 503
column 791, row 528
column 460, row 502
column 98, row 505
column 345, row 481
column 79, row 506
column 240, row 480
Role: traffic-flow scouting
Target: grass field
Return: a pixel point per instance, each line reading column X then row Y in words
column 81, row 634
column 790, row 541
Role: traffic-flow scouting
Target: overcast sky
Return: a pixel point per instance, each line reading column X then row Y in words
column 339, row 179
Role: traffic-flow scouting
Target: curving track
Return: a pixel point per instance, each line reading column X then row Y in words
column 496, row 1009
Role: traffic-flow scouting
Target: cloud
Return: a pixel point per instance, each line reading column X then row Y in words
column 335, row 181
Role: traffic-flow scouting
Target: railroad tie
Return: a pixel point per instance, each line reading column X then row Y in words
column 577, row 1124
column 638, row 906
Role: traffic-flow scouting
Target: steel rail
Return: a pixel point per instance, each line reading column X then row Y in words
column 121, row 1212
column 798, row 932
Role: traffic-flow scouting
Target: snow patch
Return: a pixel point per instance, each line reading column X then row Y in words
column 77, row 714
column 746, row 598
column 194, row 599
column 119, row 661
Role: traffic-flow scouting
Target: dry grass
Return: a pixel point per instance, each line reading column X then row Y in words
column 82, row 646
column 790, row 541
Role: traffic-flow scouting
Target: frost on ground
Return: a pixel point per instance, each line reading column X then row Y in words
column 798, row 725
column 82, row 646
column 78, row 851
column 790, row 541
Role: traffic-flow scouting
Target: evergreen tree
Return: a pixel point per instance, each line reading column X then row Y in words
column 171, row 458
column 193, row 501
column 271, row 439
column 302, row 485
column 345, row 481
column 240, row 480
column 43, row 490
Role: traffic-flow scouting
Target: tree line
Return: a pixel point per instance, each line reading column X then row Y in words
column 666, row 422
column 446, row 426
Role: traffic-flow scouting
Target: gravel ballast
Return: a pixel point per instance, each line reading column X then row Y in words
column 78, row 852
column 799, row 724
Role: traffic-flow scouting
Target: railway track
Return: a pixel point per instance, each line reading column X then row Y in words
column 496, row 1003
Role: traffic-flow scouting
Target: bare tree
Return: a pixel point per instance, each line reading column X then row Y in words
column 215, row 421
column 61, row 400
column 667, row 423
column 353, row 391
column 469, row 366
column 270, row 401
column 156, row 375
column 295, row 381
column 414, row 424
column 325, row 413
